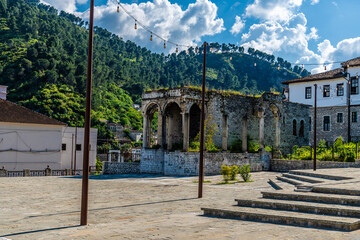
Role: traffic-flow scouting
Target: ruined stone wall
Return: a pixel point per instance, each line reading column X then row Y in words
column 336, row 129
column 298, row 112
column 121, row 168
column 279, row 165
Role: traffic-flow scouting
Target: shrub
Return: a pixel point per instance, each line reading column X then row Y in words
column 99, row 164
column 234, row 170
column 225, row 172
column 245, row 172
column 236, row 146
column 253, row 147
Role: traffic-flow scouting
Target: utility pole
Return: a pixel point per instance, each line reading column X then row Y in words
column 315, row 110
column 72, row 153
column 76, row 125
column 85, row 176
column 201, row 163
column 348, row 107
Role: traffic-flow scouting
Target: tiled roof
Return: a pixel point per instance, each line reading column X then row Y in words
column 352, row 62
column 332, row 74
column 11, row 112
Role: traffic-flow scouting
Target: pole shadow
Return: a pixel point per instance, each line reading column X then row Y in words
column 40, row 230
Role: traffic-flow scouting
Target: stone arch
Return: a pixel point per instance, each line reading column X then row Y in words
column 272, row 125
column 195, row 116
column 173, row 125
column 151, row 136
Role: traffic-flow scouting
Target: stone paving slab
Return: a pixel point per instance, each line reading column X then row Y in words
column 136, row 207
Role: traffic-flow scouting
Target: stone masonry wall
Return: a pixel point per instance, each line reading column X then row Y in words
column 152, row 161
column 279, row 165
column 121, row 168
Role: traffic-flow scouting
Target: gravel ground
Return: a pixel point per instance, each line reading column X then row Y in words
column 136, row 207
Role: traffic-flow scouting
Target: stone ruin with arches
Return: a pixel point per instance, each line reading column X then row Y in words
column 267, row 120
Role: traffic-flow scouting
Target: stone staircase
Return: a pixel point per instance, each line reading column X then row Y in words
column 300, row 198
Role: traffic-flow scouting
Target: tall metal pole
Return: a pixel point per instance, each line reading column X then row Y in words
column 315, row 141
column 85, row 176
column 348, row 107
column 201, row 163
column 75, row 146
column 72, row 153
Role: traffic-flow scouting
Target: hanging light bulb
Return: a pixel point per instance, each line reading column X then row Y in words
column 187, row 52
column 135, row 27
column 197, row 50
column 230, row 58
column 278, row 67
column 254, row 64
column 325, row 67
column 302, row 67
column 164, row 44
column 118, row 9
column 211, row 49
column 177, row 49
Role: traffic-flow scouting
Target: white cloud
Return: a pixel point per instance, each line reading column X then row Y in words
column 274, row 10
column 65, row 5
column 238, row 26
column 313, row 2
column 81, row 1
column 168, row 20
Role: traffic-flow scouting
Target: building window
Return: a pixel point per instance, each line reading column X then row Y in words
column 354, row 86
column 326, row 91
column 308, row 93
column 78, row 147
column 326, row 123
column 354, row 117
column 309, row 124
column 294, row 128
column 302, row 128
column 63, row 147
column 340, row 117
column 340, row 89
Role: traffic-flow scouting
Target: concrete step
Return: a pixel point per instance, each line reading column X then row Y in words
column 284, row 217
column 275, row 184
column 289, row 180
column 318, row 175
column 340, row 191
column 313, row 197
column 302, row 178
column 306, row 207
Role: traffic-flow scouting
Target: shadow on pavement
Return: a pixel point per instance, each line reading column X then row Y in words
column 120, row 176
column 36, row 231
column 123, row 206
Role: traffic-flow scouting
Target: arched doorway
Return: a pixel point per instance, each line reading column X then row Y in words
column 195, row 114
column 173, row 127
column 150, row 126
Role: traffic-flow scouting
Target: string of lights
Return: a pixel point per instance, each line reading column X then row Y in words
column 154, row 34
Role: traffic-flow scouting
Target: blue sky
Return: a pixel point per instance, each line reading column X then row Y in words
column 302, row 31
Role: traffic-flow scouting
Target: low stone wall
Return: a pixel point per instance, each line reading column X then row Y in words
column 121, row 168
column 280, row 165
column 187, row 163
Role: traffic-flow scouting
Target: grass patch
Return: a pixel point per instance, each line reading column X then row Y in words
column 207, row 181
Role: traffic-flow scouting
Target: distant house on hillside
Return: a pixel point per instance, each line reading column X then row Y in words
column 30, row 140
column 338, row 101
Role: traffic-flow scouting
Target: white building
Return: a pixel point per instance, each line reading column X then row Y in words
column 3, row 92
column 30, row 140
column 337, row 94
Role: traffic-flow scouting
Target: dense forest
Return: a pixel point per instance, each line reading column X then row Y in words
column 43, row 60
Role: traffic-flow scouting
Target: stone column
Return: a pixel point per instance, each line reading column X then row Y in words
column 26, row 172
column 145, row 131
column 185, row 126
column 277, row 131
column 169, row 126
column 225, row 132
column 244, row 134
column 261, row 129
column 160, row 129
column 48, row 171
column 118, row 157
column 109, row 157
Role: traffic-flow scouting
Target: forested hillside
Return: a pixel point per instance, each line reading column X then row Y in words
column 43, row 60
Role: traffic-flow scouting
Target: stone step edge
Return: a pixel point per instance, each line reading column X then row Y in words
column 294, row 221
column 340, row 191
column 312, row 198
column 301, row 178
column 274, row 185
column 319, row 175
column 288, row 180
column 331, row 211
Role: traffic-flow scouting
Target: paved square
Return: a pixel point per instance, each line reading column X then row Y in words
column 136, row 207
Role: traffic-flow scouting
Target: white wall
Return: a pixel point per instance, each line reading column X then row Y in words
column 44, row 139
column 68, row 156
column 297, row 91
column 3, row 92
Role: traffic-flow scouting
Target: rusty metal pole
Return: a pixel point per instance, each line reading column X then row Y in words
column 85, row 176
column 315, row 109
column 202, row 123
column 348, row 108
column 75, row 157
